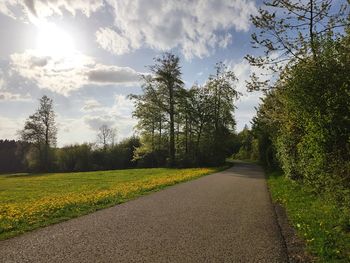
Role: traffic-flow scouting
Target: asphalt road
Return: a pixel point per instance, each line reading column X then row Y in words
column 224, row 217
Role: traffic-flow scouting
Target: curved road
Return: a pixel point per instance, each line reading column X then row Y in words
column 224, row 217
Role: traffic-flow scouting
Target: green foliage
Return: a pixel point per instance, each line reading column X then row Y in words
column 74, row 158
column 120, row 156
column 307, row 119
column 12, row 156
column 84, row 157
column 197, row 122
column 247, row 146
column 321, row 222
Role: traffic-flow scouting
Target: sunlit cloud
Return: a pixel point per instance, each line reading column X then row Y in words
column 91, row 105
column 112, row 74
column 195, row 27
column 34, row 10
column 9, row 127
column 248, row 100
column 118, row 115
column 113, row 42
column 5, row 95
column 63, row 74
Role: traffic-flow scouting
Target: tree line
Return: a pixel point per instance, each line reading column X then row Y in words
column 36, row 151
column 19, row 156
column 177, row 127
column 12, row 154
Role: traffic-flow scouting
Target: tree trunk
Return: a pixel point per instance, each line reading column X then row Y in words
column 186, row 136
column 312, row 41
column 172, row 128
column 160, row 134
column 153, row 128
column 199, row 139
column 177, row 136
column 190, row 148
column 47, row 146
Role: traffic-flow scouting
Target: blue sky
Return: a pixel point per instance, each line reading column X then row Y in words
column 87, row 56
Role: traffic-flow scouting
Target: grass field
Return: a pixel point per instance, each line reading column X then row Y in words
column 323, row 225
column 31, row 201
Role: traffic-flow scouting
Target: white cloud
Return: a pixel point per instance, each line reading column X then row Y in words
column 92, row 105
column 112, row 41
column 9, row 127
column 196, row 27
column 73, row 131
column 225, row 40
column 6, row 7
column 249, row 100
column 113, row 74
column 65, row 74
column 124, row 126
column 118, row 116
column 95, row 122
column 5, row 95
column 39, row 61
column 39, row 9
column 123, row 106
column 2, row 81
column 60, row 75
column 242, row 70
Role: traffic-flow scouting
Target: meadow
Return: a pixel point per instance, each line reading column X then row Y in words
column 30, row 201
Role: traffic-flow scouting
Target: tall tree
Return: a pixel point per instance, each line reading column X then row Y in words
column 40, row 130
column 222, row 86
column 167, row 73
column 150, row 110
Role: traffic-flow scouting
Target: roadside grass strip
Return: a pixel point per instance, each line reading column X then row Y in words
column 319, row 221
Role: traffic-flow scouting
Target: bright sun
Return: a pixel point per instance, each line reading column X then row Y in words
column 53, row 41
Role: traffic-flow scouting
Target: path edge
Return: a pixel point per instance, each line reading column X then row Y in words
column 294, row 245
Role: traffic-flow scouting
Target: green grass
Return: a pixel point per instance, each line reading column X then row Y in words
column 30, row 201
column 318, row 220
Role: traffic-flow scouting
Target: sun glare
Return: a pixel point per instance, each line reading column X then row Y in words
column 54, row 41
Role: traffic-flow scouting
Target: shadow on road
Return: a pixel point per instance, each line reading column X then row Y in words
column 246, row 170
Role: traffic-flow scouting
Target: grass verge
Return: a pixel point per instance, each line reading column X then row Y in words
column 319, row 221
column 31, row 201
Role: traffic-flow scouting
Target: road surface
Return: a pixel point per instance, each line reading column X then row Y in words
column 223, row 217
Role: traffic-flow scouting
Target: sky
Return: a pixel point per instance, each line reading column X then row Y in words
column 87, row 55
